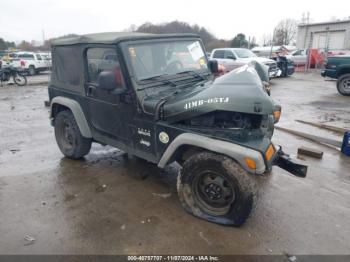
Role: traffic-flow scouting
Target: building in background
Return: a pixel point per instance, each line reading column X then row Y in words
column 327, row 36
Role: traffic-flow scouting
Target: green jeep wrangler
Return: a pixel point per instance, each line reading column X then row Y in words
column 155, row 97
column 338, row 67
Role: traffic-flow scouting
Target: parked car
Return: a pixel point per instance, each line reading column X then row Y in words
column 47, row 58
column 169, row 109
column 299, row 57
column 338, row 67
column 232, row 58
column 31, row 62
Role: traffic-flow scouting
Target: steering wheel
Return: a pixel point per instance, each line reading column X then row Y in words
column 174, row 67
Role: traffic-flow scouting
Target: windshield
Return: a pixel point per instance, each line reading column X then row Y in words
column 166, row 58
column 244, row 53
column 45, row 57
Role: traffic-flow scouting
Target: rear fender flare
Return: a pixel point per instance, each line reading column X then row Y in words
column 77, row 111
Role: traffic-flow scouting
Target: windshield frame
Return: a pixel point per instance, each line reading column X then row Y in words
column 125, row 47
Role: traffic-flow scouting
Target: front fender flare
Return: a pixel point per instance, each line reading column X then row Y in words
column 237, row 152
column 77, row 111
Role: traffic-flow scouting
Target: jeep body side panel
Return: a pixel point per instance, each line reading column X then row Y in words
column 116, row 124
column 77, row 111
column 237, row 152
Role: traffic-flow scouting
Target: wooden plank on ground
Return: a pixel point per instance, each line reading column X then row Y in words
column 310, row 152
column 320, row 125
column 317, row 139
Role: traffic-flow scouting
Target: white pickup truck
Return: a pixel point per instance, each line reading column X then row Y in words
column 232, row 58
column 31, row 62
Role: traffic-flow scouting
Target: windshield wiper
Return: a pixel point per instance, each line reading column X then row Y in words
column 157, row 77
column 194, row 73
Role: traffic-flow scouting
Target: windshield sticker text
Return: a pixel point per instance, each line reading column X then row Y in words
column 214, row 100
column 195, row 50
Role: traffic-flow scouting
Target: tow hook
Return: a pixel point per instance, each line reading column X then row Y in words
column 285, row 162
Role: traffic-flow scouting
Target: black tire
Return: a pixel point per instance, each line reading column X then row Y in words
column 20, row 80
column 31, row 70
column 231, row 198
column 68, row 137
column 343, row 85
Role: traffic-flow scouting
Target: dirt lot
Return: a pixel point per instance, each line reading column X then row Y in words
column 112, row 204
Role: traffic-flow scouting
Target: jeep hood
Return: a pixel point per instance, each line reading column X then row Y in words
column 241, row 90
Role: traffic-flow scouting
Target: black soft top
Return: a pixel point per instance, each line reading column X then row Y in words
column 114, row 37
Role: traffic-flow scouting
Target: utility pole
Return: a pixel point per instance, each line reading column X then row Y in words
column 273, row 36
column 43, row 33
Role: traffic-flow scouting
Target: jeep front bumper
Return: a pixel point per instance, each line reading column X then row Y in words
column 285, row 162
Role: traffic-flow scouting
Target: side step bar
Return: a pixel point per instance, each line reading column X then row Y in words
column 285, row 162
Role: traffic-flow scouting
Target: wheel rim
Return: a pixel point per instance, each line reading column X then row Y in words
column 346, row 85
column 66, row 135
column 19, row 80
column 213, row 192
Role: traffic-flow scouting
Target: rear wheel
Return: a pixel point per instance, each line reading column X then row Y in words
column 343, row 85
column 215, row 188
column 68, row 137
column 20, row 80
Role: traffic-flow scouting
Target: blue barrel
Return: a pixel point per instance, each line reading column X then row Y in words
column 345, row 148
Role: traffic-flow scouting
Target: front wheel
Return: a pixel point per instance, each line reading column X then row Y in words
column 343, row 85
column 68, row 137
column 216, row 188
column 20, row 80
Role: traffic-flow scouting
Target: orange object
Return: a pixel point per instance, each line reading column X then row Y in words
column 276, row 115
column 269, row 152
column 250, row 163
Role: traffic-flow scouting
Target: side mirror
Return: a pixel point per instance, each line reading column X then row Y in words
column 213, row 66
column 231, row 57
column 107, row 80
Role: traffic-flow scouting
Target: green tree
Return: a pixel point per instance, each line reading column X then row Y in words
column 24, row 45
column 4, row 45
column 175, row 27
column 239, row 41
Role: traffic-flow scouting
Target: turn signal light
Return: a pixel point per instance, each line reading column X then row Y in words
column 277, row 115
column 250, row 163
column 269, row 152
